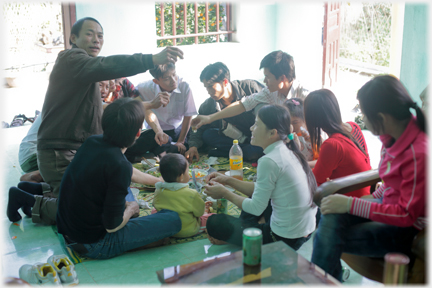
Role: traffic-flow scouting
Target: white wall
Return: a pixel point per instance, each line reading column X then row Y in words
column 128, row 27
column 299, row 32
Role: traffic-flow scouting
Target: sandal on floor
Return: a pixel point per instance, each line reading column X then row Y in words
column 18, row 120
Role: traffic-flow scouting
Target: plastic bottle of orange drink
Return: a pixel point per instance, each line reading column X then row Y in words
column 236, row 161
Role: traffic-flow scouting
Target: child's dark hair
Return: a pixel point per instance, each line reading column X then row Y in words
column 278, row 117
column 215, row 72
column 295, row 107
column 172, row 165
column 121, row 122
column 159, row 70
column 386, row 94
column 279, row 63
column 321, row 110
column 76, row 28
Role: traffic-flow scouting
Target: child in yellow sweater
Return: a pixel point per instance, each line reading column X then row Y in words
column 174, row 194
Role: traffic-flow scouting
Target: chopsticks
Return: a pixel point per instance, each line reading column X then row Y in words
column 148, row 162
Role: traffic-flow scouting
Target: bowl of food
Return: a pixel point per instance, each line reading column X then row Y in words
column 199, row 165
column 200, row 174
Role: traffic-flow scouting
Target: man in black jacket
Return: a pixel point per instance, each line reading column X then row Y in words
column 220, row 134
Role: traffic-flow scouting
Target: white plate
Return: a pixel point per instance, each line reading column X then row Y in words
column 145, row 164
column 151, row 169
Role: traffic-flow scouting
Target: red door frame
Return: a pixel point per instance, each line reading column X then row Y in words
column 69, row 18
column 331, row 37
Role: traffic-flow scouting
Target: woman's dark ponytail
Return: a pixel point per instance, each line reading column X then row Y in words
column 278, row 117
column 292, row 145
column 421, row 121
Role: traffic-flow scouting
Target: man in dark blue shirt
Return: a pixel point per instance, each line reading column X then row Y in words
column 92, row 213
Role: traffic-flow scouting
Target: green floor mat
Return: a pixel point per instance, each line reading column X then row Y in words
column 146, row 195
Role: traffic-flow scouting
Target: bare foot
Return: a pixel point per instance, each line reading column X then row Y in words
column 215, row 241
column 34, row 177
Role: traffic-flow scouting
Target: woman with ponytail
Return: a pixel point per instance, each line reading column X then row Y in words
column 283, row 177
column 389, row 219
column 341, row 154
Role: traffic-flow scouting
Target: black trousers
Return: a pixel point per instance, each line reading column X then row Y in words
column 147, row 143
column 230, row 229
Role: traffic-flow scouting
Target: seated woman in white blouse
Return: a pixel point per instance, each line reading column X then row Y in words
column 283, row 177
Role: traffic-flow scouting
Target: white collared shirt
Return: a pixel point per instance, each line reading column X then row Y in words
column 181, row 103
column 281, row 178
column 265, row 97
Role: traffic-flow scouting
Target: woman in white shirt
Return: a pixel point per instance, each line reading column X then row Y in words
column 283, row 177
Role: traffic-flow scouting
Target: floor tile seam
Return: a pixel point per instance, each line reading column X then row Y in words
column 31, row 249
column 150, row 269
column 91, row 276
column 178, row 248
column 164, row 264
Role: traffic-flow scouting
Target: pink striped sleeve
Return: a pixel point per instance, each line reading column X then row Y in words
column 379, row 193
column 360, row 207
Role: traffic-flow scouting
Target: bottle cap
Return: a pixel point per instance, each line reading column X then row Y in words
column 396, row 258
column 235, row 142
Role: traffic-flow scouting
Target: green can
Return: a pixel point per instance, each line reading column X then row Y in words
column 222, row 206
column 252, row 242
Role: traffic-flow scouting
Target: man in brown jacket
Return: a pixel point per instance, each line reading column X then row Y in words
column 72, row 108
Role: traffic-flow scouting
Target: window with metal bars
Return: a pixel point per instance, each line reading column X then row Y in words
column 185, row 23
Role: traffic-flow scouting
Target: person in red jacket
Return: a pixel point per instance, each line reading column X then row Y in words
column 388, row 220
column 341, row 154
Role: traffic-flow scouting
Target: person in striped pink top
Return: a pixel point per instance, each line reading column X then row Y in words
column 389, row 219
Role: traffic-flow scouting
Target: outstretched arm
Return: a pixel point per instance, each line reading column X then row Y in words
column 185, row 128
column 144, row 178
column 244, row 187
column 234, row 109
column 217, row 191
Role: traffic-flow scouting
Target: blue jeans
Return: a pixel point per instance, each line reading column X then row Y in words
column 173, row 134
column 223, row 144
column 345, row 233
column 129, row 196
column 136, row 233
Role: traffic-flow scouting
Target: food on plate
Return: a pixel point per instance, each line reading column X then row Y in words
column 199, row 165
column 154, row 173
column 199, row 173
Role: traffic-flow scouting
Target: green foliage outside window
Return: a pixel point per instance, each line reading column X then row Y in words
column 190, row 29
column 367, row 37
